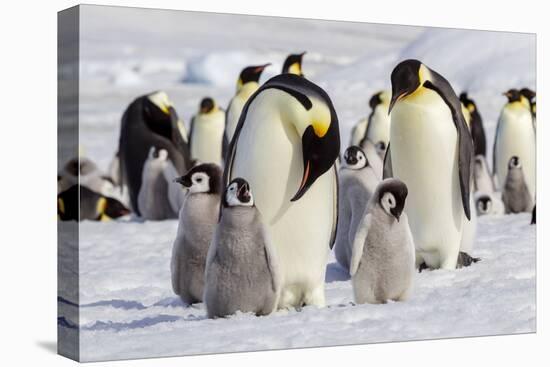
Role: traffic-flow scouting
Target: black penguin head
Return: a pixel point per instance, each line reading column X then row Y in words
column 375, row 100
column 250, row 74
column 513, row 95
column 514, row 163
column 467, row 102
column 355, row 158
column 238, row 193
column 293, row 64
column 202, row 178
column 406, row 77
column 207, row 105
column 392, row 194
column 159, row 113
column 528, row 93
column 484, row 204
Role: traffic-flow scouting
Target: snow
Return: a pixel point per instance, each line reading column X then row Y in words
column 127, row 308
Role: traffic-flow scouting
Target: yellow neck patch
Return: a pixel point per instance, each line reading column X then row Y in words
column 320, row 128
column 61, row 205
column 101, row 205
column 295, row 69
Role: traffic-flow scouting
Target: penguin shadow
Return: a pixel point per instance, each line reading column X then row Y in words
column 336, row 273
column 48, row 345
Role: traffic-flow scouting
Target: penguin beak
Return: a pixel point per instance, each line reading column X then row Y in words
column 244, row 194
column 394, row 99
column 184, row 181
column 396, row 212
column 261, row 68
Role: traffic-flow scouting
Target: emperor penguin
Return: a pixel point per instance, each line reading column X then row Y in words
column 197, row 222
column 483, row 180
column 515, row 193
column 515, row 136
column 431, row 150
column 82, row 170
column 383, row 254
column 489, row 204
column 247, row 84
column 286, row 145
column 476, row 125
column 80, row 203
column 358, row 131
column 206, row 132
column 531, row 97
column 150, row 121
column 153, row 197
column 293, row 64
column 242, row 273
column 358, row 182
column 378, row 128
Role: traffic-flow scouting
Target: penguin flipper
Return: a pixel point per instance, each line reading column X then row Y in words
column 388, row 169
column 272, row 264
column 359, row 243
column 190, row 138
column 336, row 192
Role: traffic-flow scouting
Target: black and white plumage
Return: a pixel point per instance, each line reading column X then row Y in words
column 197, row 222
column 476, row 125
column 378, row 127
column 80, row 203
column 383, row 254
column 358, row 182
column 489, row 203
column 375, row 156
column 242, row 273
column 293, row 64
column 206, row 132
column 515, row 193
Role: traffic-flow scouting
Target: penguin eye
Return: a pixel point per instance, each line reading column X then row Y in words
column 199, row 180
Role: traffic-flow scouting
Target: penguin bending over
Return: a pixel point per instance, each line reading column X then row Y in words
column 242, row 273
column 515, row 194
column 383, row 255
column 290, row 129
column 293, row 64
column 358, row 182
column 206, row 132
column 476, row 125
column 432, row 151
column 197, row 222
column 93, row 206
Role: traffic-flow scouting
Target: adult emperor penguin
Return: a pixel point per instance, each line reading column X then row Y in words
column 531, row 95
column 206, row 132
column 476, row 125
column 150, row 121
column 515, row 136
column 378, row 128
column 242, row 273
column 80, row 203
column 247, row 84
column 293, row 64
column 358, row 182
column 358, row 131
column 285, row 146
column 197, row 221
column 515, row 194
column 431, row 150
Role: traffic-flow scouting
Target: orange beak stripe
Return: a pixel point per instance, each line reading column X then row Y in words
column 306, row 175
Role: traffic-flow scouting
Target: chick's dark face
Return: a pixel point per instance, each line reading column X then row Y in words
column 405, row 79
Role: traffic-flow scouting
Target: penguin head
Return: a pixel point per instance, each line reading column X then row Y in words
column 207, row 105
column 159, row 113
column 355, row 158
column 80, row 166
column 380, row 148
column 528, row 93
column 392, row 194
column 381, row 97
column 406, row 78
column 293, row 64
column 467, row 102
column 110, row 208
column 238, row 193
column 250, row 74
column 514, row 163
column 203, row 178
column 513, row 95
column 157, row 154
column 484, row 203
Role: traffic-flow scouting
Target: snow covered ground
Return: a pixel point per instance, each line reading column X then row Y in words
column 127, row 307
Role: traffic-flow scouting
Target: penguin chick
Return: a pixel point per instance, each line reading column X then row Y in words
column 153, row 199
column 373, row 155
column 515, row 195
column 197, row 222
column 92, row 205
column 483, row 181
column 242, row 273
column 489, row 204
column 358, row 182
column 383, row 255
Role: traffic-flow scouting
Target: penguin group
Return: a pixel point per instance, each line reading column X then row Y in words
column 261, row 195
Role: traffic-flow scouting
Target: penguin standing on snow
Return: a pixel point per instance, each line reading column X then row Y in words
column 247, row 84
column 197, row 222
column 150, row 121
column 293, row 64
column 80, row 203
column 358, row 182
column 431, row 150
column 515, row 136
column 515, row 193
column 290, row 128
column 476, row 125
column 242, row 273
column 489, row 204
column 383, row 256
column 378, row 128
column 206, row 133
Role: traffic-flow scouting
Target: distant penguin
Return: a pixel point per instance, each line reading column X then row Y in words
column 483, row 180
column 358, row 131
column 515, row 136
column 476, row 125
column 358, row 182
column 206, row 132
column 247, row 84
column 153, row 198
column 197, row 221
column 150, row 121
column 515, row 193
column 383, row 255
column 242, row 273
column 378, row 128
column 373, row 153
column 431, row 150
column 92, row 205
column 489, row 204
column 531, row 97
column 290, row 129
column 293, row 64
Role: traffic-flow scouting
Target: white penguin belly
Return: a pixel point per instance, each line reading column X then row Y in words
column 516, row 137
column 207, row 138
column 380, row 125
column 359, row 131
column 233, row 114
column 269, row 157
column 424, row 153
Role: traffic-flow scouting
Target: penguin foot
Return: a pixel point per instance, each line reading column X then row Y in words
column 465, row 260
column 422, row 267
